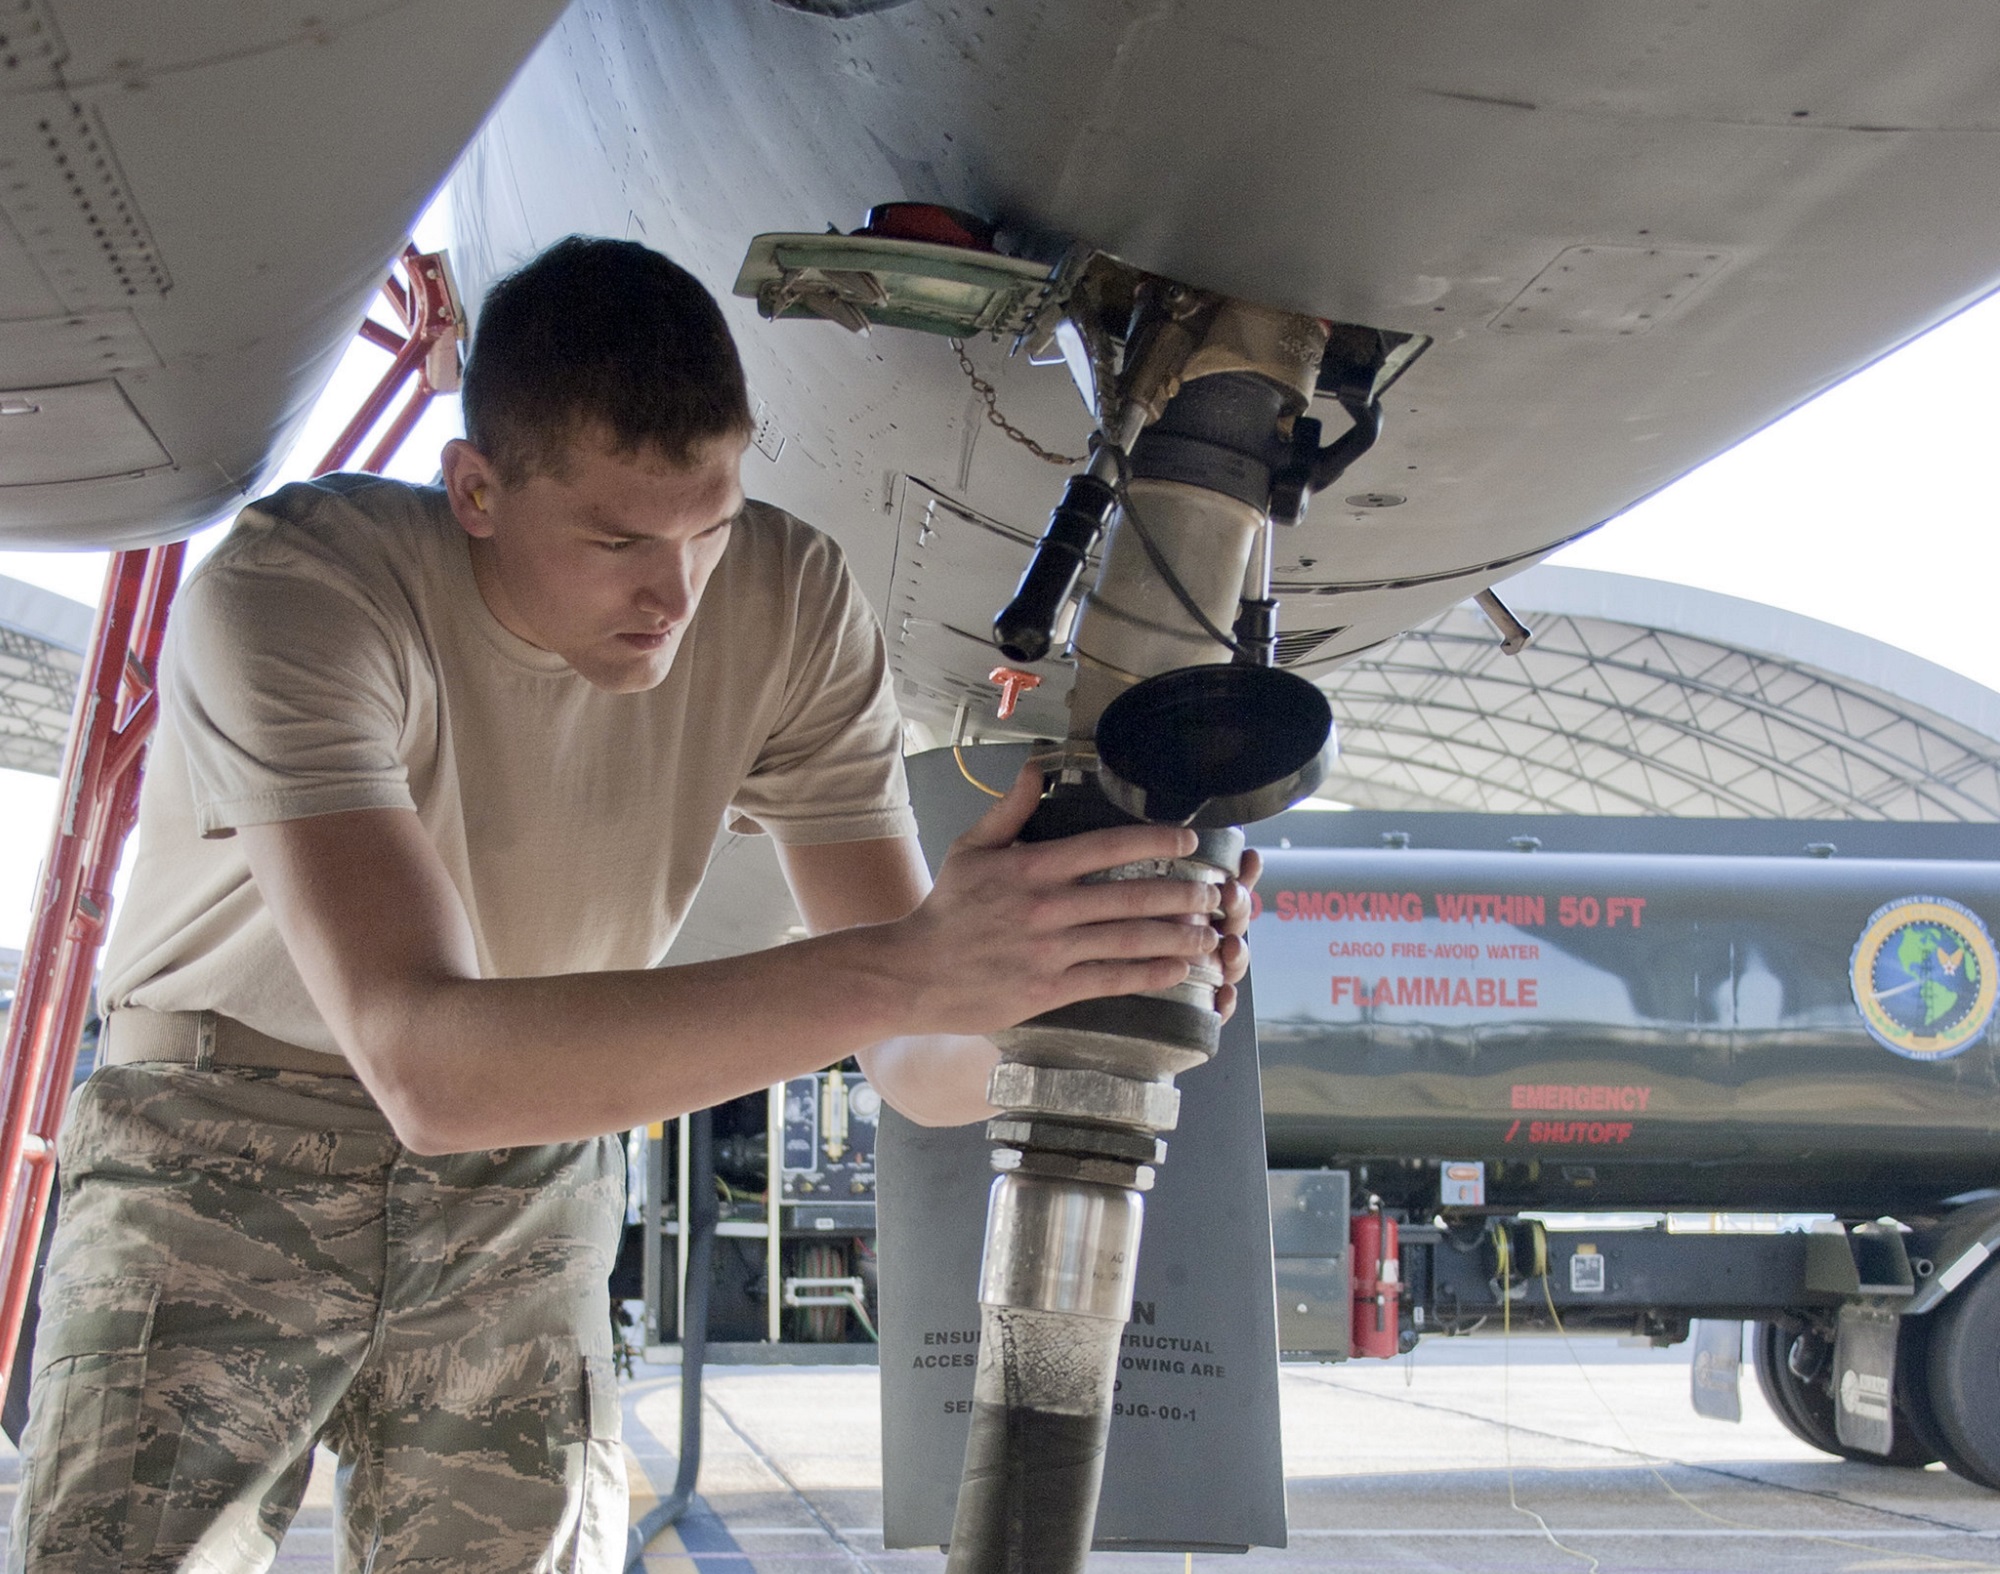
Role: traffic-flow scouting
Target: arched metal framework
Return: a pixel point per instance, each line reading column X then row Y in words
column 42, row 639
column 1644, row 698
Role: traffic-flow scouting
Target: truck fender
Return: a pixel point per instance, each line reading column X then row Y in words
column 1958, row 1246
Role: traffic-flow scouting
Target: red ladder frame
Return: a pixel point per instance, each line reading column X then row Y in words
column 103, row 762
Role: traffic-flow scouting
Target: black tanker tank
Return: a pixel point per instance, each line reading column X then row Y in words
column 1638, row 1031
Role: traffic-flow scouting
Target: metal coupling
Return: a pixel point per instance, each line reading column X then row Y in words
column 1204, row 977
column 1083, row 1138
column 1075, row 1166
column 1196, row 871
column 1061, row 1246
column 1082, row 1094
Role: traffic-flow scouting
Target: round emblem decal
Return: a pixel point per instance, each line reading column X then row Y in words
column 1924, row 977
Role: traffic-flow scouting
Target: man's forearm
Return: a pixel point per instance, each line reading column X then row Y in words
column 385, row 948
column 468, row 1063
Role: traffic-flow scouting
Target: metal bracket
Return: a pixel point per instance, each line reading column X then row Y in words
column 863, row 280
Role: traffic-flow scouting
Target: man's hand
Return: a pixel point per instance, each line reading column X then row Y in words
column 1234, row 952
column 1010, row 931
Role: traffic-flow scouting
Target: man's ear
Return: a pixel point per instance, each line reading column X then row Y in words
column 470, row 485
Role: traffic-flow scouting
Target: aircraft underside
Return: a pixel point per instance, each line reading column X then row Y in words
column 1622, row 237
column 1167, row 354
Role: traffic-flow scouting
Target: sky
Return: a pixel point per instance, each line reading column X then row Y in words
column 1875, row 507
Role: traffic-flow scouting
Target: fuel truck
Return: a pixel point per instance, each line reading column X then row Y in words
column 1520, row 1046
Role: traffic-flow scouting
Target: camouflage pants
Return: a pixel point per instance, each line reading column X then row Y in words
column 248, row 1262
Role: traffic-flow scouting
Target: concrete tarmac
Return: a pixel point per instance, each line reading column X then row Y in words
column 1475, row 1457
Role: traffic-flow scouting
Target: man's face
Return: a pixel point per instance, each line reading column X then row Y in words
column 604, row 563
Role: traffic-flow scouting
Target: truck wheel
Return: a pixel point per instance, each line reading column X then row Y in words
column 1913, row 1389
column 1805, row 1404
column 1789, row 1396
column 1964, row 1373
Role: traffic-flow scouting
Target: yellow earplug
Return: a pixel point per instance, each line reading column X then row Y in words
column 479, row 498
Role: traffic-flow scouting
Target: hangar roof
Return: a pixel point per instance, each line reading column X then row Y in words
column 42, row 640
column 1642, row 697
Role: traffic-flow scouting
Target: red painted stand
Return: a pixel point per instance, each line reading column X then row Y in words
column 116, row 706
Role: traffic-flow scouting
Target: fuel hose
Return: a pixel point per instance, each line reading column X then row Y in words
column 1055, row 1293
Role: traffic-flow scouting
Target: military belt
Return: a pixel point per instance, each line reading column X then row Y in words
column 205, row 1040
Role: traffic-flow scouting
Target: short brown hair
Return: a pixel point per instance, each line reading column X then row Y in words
column 606, row 334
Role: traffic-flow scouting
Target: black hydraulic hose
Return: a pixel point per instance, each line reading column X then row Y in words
column 1333, row 460
column 699, row 1212
column 1025, row 628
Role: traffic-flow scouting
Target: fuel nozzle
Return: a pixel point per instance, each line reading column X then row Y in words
column 1026, row 626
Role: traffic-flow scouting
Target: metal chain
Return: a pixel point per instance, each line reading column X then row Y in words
column 991, row 395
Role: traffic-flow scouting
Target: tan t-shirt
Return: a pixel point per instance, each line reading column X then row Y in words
column 334, row 653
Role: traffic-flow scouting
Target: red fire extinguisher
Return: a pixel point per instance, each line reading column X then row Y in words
column 1378, row 1287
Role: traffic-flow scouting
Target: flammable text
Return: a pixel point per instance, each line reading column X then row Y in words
column 1517, row 994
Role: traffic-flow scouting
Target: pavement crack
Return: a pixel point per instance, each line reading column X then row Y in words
column 832, row 1532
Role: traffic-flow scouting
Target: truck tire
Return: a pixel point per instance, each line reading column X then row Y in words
column 1805, row 1404
column 1964, row 1379
column 1786, row 1393
column 1913, row 1388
